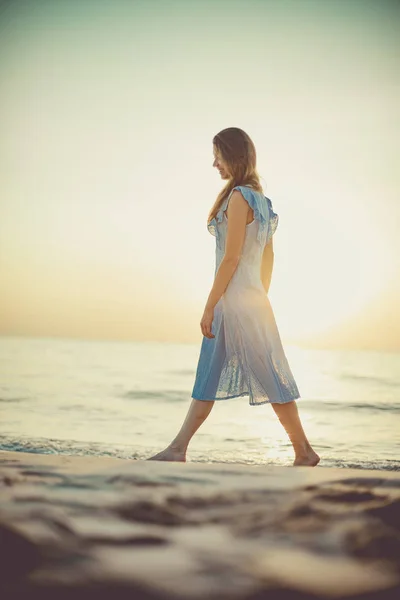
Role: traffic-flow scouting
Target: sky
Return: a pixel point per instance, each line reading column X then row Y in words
column 107, row 115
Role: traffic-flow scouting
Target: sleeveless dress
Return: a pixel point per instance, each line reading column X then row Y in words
column 246, row 357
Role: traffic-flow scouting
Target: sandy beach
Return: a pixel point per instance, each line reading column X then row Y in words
column 97, row 527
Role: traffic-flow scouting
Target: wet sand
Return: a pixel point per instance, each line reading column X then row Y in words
column 96, row 527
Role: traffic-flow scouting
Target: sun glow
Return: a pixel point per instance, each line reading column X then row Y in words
column 328, row 274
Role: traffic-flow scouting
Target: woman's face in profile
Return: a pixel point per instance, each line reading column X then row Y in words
column 220, row 164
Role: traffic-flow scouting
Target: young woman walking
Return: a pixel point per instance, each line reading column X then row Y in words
column 241, row 352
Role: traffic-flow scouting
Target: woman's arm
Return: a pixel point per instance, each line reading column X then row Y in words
column 267, row 264
column 237, row 215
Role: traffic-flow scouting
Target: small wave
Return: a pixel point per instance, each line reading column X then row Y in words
column 393, row 407
column 69, row 447
column 376, row 465
column 160, row 395
column 390, row 407
column 10, row 400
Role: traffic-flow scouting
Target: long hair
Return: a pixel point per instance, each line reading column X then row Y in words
column 236, row 148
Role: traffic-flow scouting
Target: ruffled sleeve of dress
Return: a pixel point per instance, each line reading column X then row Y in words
column 273, row 221
column 263, row 212
column 211, row 227
column 260, row 209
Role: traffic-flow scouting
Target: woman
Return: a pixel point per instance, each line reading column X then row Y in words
column 241, row 352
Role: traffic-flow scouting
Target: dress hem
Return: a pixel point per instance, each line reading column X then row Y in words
column 250, row 403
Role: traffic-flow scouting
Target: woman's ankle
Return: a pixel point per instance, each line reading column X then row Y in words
column 303, row 449
column 178, row 447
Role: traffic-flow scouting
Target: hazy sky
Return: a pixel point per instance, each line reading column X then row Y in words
column 108, row 110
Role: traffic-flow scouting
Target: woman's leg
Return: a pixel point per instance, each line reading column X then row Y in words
column 289, row 417
column 197, row 414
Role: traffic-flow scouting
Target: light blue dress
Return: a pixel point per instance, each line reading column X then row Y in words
column 246, row 357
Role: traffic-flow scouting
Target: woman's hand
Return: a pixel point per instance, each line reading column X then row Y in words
column 206, row 322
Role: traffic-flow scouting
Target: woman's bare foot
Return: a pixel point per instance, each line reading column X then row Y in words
column 311, row 459
column 170, row 454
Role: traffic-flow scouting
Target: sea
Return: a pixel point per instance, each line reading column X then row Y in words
column 129, row 399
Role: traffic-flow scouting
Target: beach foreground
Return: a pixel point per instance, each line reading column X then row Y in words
column 95, row 527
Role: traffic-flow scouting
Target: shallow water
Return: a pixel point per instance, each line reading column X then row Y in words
column 129, row 399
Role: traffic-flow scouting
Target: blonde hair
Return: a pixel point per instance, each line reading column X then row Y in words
column 237, row 149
